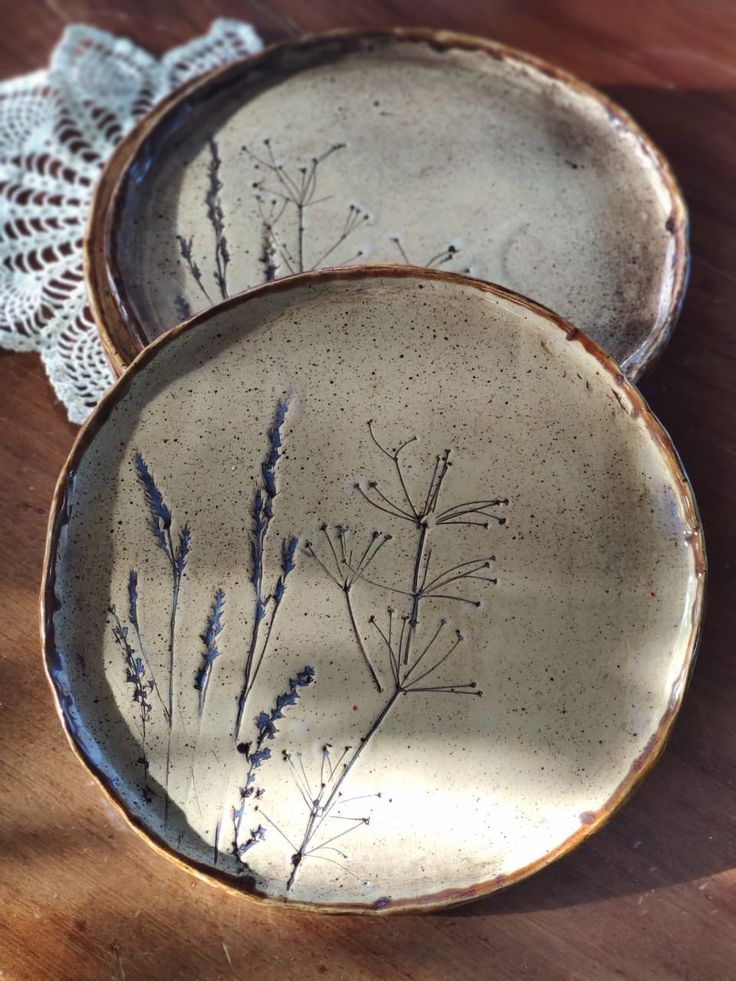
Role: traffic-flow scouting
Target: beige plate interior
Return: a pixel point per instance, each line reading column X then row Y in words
column 471, row 654
column 418, row 146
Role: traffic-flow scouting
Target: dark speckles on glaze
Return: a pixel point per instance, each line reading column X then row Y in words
column 504, row 525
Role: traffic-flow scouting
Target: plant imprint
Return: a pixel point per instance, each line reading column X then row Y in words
column 216, row 218
column 285, row 197
column 211, row 650
column 176, row 547
column 160, row 523
column 324, row 801
column 413, row 652
column 262, row 512
column 256, row 754
column 135, row 675
column 433, row 262
column 346, row 574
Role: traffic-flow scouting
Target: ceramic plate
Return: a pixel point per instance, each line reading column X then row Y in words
column 401, row 146
column 372, row 589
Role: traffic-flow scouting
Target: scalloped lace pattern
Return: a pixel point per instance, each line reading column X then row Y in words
column 58, row 126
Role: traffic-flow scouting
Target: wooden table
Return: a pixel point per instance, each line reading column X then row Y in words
column 651, row 896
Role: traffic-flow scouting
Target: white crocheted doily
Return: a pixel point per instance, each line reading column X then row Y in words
column 58, row 126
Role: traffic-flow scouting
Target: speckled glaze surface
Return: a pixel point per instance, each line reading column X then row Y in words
column 421, row 146
column 371, row 590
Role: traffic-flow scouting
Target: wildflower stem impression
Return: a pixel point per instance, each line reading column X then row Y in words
column 412, row 659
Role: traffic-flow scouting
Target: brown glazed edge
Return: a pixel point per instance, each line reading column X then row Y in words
column 629, row 400
column 120, row 330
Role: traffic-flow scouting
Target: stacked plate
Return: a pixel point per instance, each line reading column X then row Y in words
column 377, row 586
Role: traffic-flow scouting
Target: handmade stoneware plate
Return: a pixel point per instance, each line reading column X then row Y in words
column 395, row 146
column 371, row 589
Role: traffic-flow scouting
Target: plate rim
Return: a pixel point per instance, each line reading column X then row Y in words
column 121, row 331
column 630, row 400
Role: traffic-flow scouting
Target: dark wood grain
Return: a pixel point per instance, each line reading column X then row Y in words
column 654, row 894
